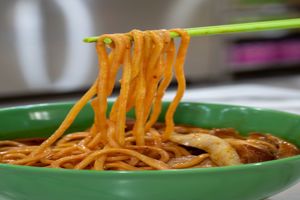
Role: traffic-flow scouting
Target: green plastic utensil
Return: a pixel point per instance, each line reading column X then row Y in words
column 232, row 28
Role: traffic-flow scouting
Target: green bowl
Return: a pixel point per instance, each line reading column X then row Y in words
column 245, row 182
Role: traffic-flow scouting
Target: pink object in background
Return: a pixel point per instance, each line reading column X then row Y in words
column 254, row 55
column 290, row 51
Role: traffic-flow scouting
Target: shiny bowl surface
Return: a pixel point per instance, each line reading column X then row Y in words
column 244, row 182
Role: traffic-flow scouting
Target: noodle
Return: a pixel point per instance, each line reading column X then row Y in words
column 147, row 64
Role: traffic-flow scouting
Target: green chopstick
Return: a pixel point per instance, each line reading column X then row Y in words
column 232, row 28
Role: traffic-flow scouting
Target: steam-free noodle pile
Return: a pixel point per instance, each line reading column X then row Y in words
column 148, row 61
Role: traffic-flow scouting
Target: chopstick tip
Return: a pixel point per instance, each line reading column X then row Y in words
column 87, row 40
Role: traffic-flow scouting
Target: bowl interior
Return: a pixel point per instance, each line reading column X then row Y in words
column 41, row 120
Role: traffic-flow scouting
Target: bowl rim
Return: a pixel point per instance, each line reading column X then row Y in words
column 150, row 172
column 69, row 103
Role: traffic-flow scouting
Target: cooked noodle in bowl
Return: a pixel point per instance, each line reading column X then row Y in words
column 147, row 66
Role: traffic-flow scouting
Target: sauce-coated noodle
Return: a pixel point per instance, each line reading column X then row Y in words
column 147, row 60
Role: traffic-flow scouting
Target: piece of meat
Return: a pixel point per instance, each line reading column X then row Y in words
column 250, row 151
column 284, row 148
column 226, row 133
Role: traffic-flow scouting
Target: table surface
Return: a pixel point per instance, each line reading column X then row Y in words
column 251, row 95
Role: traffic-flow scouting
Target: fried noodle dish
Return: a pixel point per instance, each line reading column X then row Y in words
column 148, row 62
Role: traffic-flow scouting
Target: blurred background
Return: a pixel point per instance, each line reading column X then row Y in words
column 43, row 58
